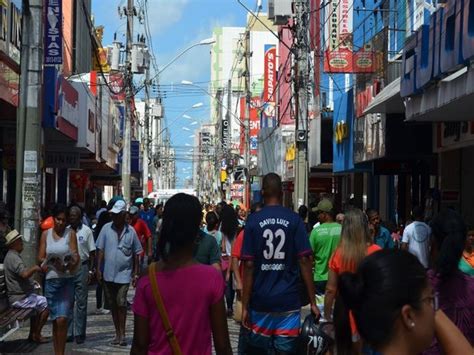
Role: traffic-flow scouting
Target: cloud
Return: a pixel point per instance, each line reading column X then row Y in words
column 168, row 12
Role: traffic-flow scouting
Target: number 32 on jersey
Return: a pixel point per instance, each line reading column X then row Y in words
column 278, row 238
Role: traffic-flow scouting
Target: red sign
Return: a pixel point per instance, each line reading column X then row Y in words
column 269, row 75
column 254, row 121
column 117, row 84
column 365, row 97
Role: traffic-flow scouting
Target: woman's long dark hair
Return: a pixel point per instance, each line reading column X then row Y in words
column 384, row 282
column 450, row 234
column 182, row 216
column 229, row 222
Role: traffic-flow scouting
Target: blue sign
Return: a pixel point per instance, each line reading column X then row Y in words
column 53, row 47
column 135, row 157
column 439, row 49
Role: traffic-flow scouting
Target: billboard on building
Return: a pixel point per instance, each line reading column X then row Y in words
column 53, row 43
column 269, row 86
column 339, row 53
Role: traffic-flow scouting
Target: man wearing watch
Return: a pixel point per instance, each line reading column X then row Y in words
column 118, row 249
column 86, row 249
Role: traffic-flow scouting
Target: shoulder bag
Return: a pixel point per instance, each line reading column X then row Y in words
column 161, row 309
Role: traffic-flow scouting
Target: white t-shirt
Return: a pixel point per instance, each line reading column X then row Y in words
column 418, row 237
column 85, row 242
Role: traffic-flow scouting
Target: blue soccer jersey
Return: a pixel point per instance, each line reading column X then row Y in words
column 274, row 239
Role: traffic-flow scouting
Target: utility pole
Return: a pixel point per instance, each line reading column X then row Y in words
column 247, row 121
column 302, row 99
column 127, row 131
column 28, row 173
column 146, row 148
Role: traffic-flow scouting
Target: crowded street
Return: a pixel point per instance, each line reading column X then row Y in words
column 252, row 177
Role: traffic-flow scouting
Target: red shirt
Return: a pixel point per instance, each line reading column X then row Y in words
column 237, row 250
column 143, row 233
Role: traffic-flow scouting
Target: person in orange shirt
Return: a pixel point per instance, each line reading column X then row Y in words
column 355, row 244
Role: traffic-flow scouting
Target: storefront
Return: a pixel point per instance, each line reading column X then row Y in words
column 438, row 88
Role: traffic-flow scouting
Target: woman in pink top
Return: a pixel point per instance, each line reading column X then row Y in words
column 193, row 294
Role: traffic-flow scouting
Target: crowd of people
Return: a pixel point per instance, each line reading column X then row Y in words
column 401, row 291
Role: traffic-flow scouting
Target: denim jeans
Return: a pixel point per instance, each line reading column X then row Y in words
column 77, row 324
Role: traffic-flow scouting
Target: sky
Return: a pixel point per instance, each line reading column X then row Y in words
column 174, row 26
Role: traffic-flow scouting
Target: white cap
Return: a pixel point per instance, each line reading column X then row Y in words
column 119, row 206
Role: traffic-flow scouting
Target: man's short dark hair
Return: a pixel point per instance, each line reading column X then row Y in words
column 271, row 185
column 417, row 212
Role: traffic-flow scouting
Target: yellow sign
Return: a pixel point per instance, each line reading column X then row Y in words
column 290, row 153
column 223, row 176
column 341, row 132
column 102, row 65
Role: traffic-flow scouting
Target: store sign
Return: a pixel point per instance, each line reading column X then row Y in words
column 67, row 109
column 369, row 137
column 62, row 160
column 269, row 86
column 453, row 135
column 341, row 132
column 440, row 48
column 53, row 51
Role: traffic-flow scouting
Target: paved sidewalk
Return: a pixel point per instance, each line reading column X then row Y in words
column 100, row 332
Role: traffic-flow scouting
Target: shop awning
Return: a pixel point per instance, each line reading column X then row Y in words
column 388, row 100
column 451, row 99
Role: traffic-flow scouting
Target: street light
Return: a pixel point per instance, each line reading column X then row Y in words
column 190, row 83
column 204, row 42
column 185, row 129
column 193, row 123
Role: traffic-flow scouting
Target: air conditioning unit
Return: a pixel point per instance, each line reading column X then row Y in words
column 279, row 11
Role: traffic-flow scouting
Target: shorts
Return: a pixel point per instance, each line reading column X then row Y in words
column 320, row 287
column 37, row 302
column 60, row 295
column 275, row 330
column 115, row 295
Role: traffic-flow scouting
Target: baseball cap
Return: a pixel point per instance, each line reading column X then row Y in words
column 119, row 206
column 12, row 236
column 133, row 210
column 323, row 206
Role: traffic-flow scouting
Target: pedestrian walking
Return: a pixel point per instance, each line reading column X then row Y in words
column 417, row 238
column 455, row 288
column 192, row 294
column 277, row 260
column 394, row 307
column 102, row 208
column 104, row 218
column 147, row 213
column 59, row 255
column 86, row 248
column 355, row 244
column 238, row 271
column 207, row 251
column 118, row 250
column 466, row 264
column 21, row 288
column 213, row 225
column 324, row 240
column 229, row 227
column 144, row 236
column 381, row 235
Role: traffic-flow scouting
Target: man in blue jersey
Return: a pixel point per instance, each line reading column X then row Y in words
column 277, row 258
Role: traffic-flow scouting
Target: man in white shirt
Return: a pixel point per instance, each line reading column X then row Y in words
column 86, row 248
column 417, row 238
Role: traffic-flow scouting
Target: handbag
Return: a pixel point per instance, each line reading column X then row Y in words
column 161, row 309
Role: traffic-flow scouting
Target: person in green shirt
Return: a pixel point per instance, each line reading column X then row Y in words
column 324, row 239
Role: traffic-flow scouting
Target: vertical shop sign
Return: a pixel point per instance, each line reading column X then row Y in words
column 269, row 86
column 53, row 33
